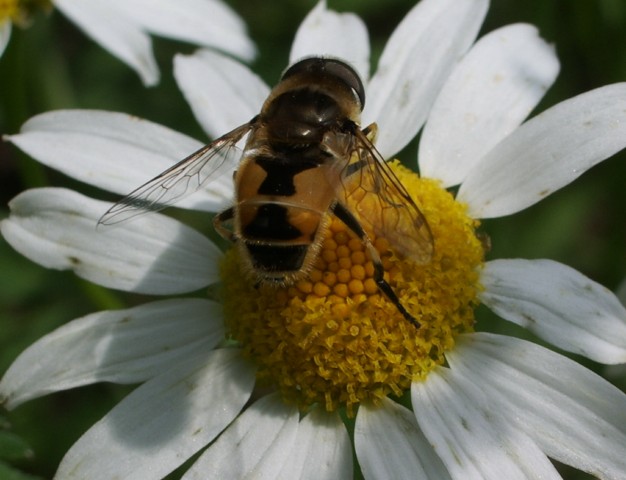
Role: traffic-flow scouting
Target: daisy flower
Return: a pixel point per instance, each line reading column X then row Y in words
column 301, row 364
column 123, row 27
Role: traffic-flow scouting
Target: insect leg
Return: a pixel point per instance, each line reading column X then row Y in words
column 218, row 223
column 371, row 131
column 343, row 214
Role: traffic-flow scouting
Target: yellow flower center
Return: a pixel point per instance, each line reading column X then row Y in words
column 20, row 11
column 334, row 338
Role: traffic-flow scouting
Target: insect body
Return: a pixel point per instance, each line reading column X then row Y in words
column 306, row 158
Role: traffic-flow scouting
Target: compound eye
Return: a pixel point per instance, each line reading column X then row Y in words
column 347, row 75
column 329, row 66
column 306, row 65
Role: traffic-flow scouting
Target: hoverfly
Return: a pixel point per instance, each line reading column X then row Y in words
column 305, row 157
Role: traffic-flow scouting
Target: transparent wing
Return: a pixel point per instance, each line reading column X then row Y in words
column 180, row 180
column 373, row 193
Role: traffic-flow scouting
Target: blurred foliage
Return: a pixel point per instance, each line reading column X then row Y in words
column 52, row 65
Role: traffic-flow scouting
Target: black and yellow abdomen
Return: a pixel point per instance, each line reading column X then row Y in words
column 282, row 210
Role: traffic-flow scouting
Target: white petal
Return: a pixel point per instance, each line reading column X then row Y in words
column 256, row 445
column 470, row 436
column 547, row 152
column 5, row 35
column 205, row 22
column 113, row 151
column 323, row 451
column 390, row 444
column 122, row 346
column 559, row 305
column 120, row 35
column 621, row 292
column 330, row 34
column 223, row 93
column 575, row 416
column 487, row 96
column 163, row 422
column 417, row 59
column 152, row 254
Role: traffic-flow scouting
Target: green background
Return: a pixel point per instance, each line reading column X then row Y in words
column 52, row 65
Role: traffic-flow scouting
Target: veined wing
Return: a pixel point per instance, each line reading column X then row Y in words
column 180, row 180
column 373, row 193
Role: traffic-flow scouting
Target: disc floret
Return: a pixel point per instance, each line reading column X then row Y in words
column 334, row 338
